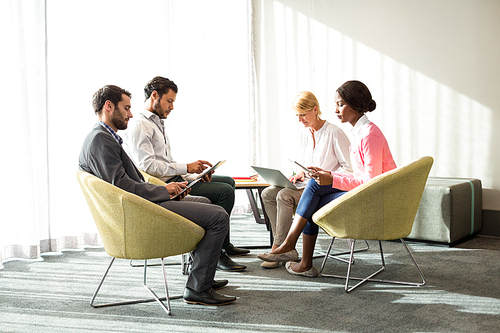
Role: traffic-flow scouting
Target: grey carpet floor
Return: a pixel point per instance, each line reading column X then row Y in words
column 462, row 293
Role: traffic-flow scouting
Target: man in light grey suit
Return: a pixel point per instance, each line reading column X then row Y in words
column 103, row 156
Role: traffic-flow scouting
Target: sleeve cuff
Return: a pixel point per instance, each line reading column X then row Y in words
column 181, row 169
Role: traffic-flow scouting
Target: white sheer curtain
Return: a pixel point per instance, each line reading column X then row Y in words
column 296, row 52
column 24, row 208
column 56, row 54
column 293, row 53
column 303, row 45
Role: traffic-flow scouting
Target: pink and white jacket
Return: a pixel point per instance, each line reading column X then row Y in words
column 370, row 156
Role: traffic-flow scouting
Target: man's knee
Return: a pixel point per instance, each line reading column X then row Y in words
column 225, row 180
column 231, row 182
column 221, row 217
column 195, row 198
column 226, row 191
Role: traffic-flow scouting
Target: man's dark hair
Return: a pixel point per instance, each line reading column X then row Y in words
column 161, row 84
column 108, row 93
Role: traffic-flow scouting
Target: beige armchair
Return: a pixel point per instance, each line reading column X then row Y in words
column 134, row 228
column 381, row 209
column 186, row 258
column 151, row 179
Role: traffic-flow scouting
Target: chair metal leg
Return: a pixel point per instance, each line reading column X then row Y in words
column 370, row 277
column 363, row 280
column 184, row 263
column 186, row 260
column 155, row 299
column 327, row 254
column 335, row 255
column 167, row 298
column 150, row 265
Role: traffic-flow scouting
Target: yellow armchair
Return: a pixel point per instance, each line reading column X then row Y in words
column 151, row 179
column 186, row 259
column 134, row 228
column 381, row 209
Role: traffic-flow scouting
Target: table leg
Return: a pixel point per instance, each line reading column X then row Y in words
column 255, row 209
column 258, row 218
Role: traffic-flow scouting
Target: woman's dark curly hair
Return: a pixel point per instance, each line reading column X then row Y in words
column 357, row 95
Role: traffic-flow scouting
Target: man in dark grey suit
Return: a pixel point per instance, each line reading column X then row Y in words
column 103, row 156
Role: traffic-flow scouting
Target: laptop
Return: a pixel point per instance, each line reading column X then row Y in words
column 276, row 178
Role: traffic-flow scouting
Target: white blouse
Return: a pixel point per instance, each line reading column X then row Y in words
column 331, row 152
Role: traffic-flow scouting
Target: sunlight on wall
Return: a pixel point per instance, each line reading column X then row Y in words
column 418, row 115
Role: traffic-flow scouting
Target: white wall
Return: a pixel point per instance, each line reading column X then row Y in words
column 434, row 70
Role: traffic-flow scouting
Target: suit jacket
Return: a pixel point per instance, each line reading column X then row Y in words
column 104, row 157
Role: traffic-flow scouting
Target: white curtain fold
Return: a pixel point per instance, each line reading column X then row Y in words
column 24, row 204
column 56, row 54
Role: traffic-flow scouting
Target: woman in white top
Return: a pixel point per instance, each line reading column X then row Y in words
column 322, row 144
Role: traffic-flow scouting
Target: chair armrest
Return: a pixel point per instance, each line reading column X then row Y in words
column 151, row 179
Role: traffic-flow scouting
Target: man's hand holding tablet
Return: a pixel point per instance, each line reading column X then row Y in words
column 185, row 189
column 198, row 166
column 206, row 175
column 182, row 189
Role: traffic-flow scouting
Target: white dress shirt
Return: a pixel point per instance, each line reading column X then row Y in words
column 148, row 146
column 331, row 151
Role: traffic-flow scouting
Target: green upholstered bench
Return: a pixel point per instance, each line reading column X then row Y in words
column 450, row 210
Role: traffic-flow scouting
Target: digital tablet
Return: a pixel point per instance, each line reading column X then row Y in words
column 199, row 177
column 186, row 188
column 207, row 170
column 306, row 170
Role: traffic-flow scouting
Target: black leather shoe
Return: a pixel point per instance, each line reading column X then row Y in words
column 219, row 284
column 234, row 251
column 209, row 297
column 226, row 264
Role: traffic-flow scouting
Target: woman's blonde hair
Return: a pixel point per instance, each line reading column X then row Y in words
column 305, row 102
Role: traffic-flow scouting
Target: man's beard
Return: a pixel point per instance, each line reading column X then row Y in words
column 157, row 110
column 119, row 122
